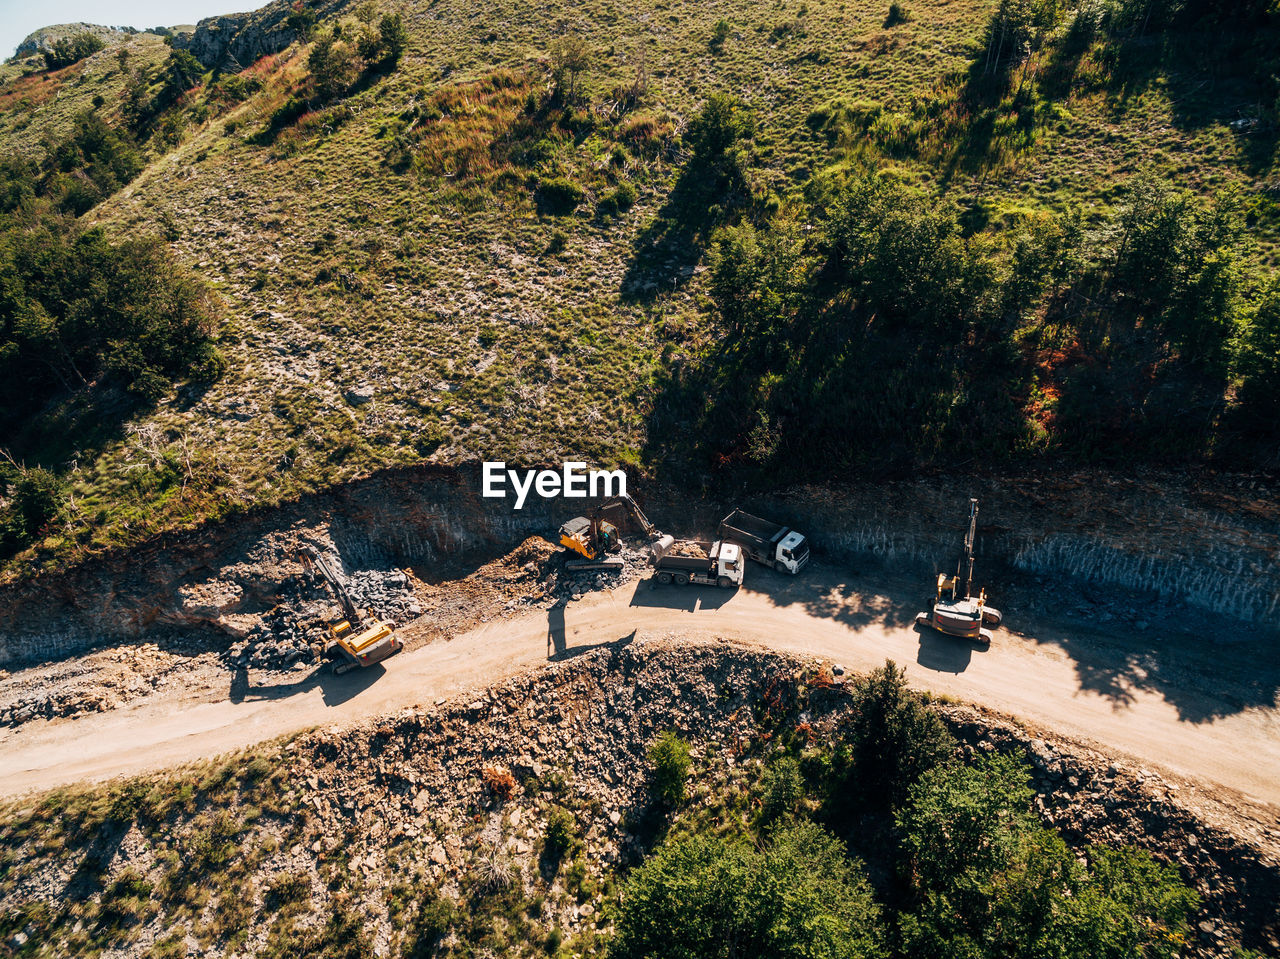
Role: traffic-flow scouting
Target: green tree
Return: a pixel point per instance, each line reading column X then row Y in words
column 68, row 50
column 988, row 881
column 899, row 256
column 1016, row 29
column 75, row 308
column 34, row 498
column 301, row 20
column 18, row 179
column 393, row 37
column 783, row 788
column 92, row 163
column 892, row 739
column 718, row 128
column 333, row 66
column 759, row 275
column 701, row 896
column 1177, row 265
column 669, row 762
column 182, row 72
column 570, row 58
column 1257, row 362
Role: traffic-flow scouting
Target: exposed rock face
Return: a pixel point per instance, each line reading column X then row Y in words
column 1202, row 545
column 40, row 40
column 236, row 40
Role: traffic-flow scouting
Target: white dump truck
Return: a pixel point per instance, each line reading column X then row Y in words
column 692, row 561
column 769, row 543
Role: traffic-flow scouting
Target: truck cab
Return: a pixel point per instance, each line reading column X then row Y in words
column 793, row 552
column 766, row 542
column 729, row 563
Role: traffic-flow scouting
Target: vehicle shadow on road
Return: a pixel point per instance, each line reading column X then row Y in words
column 558, row 648
column 335, row 690
column 945, row 654
column 689, row 598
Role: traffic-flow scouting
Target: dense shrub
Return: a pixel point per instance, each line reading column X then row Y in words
column 702, row 896
column 669, row 762
column 68, row 50
column 558, row 195
column 719, row 34
column 897, row 14
column 1258, row 363
column 618, row 200
column 92, row 163
column 988, row 881
column 717, row 128
column 783, row 788
column 500, row 783
column 30, row 498
column 76, row 309
column 560, row 835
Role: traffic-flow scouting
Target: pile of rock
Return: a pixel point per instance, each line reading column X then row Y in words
column 282, row 638
column 386, row 593
column 295, row 631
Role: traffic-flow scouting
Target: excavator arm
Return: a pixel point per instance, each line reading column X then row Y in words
column 650, row 531
column 315, row 562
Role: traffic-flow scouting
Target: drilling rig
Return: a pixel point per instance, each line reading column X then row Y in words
column 357, row 641
column 961, row 615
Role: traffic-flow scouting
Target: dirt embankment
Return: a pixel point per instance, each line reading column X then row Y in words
column 1208, row 544
column 418, row 797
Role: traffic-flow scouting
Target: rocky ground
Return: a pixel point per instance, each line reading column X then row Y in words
column 449, row 801
column 285, row 630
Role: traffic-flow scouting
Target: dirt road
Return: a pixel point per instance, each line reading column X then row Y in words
column 1030, row 677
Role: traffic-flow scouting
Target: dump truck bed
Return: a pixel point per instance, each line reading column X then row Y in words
column 741, row 526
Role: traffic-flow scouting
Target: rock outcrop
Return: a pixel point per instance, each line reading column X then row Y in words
column 234, row 41
column 40, row 40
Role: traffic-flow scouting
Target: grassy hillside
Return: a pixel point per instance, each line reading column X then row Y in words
column 448, row 262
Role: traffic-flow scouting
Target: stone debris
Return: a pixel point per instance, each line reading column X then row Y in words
column 689, row 549
column 575, row 735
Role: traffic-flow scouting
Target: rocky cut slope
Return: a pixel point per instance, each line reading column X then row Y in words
column 428, row 832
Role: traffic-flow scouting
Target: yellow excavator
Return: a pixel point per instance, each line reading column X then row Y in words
column 357, row 641
column 593, row 537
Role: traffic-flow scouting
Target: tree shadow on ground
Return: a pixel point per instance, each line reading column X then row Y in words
column 1210, row 75
column 668, row 249
column 77, row 427
column 1120, row 642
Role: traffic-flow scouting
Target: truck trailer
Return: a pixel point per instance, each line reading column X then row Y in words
column 766, row 542
column 705, row 564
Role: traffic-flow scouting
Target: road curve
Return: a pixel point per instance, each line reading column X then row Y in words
column 1021, row 676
